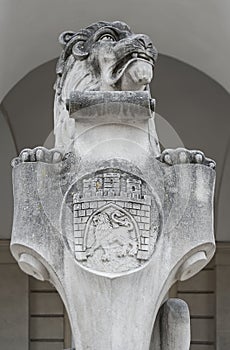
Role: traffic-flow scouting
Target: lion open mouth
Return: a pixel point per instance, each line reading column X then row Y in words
column 126, row 61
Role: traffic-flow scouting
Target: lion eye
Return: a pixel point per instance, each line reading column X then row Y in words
column 107, row 37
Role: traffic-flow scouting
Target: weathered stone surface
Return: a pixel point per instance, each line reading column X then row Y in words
column 44, row 227
column 106, row 57
column 172, row 326
column 113, row 223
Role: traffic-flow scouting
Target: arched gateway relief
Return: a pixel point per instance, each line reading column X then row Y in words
column 115, row 221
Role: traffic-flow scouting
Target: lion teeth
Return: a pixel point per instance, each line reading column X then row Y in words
column 134, row 55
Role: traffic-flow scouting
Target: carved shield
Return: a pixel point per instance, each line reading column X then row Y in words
column 116, row 221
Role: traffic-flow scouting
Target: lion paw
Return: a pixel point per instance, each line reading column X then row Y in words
column 89, row 252
column 38, row 154
column 184, row 156
column 105, row 257
column 133, row 251
column 123, row 252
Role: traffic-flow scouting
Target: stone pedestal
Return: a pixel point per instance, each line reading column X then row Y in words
column 112, row 235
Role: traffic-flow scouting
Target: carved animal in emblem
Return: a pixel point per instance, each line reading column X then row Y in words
column 110, row 230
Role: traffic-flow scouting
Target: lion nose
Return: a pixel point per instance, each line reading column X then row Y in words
column 144, row 40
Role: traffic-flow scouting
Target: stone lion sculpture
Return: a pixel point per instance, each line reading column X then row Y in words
column 102, row 57
column 105, row 56
column 110, row 57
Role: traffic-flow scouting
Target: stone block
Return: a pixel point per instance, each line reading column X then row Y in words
column 89, row 212
column 45, row 303
column 120, row 203
column 142, row 255
column 80, row 255
column 145, row 233
column 14, row 296
column 46, row 345
column 78, row 247
column 46, row 328
column 77, row 220
column 137, row 218
column 200, row 304
column 128, row 205
column 85, row 205
column 145, row 207
column 78, row 241
column 144, row 219
column 78, row 234
column 93, row 205
column 203, row 330
column 136, row 206
column 84, row 219
column 77, row 206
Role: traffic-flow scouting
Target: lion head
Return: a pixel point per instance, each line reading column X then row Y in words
column 102, row 219
column 102, row 57
column 105, row 56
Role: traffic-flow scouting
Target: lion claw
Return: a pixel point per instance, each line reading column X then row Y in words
column 38, row 154
column 132, row 252
column 184, row 156
column 105, row 258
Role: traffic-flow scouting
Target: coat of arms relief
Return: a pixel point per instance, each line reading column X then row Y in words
column 115, row 221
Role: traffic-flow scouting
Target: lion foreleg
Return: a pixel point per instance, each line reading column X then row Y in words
column 172, row 327
column 92, row 249
column 133, row 250
column 106, row 255
column 124, row 249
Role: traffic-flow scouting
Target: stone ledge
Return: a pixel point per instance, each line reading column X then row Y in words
column 5, row 254
column 222, row 253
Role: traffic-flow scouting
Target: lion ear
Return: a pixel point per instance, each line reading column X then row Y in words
column 65, row 37
column 79, row 51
